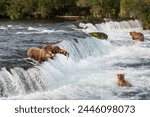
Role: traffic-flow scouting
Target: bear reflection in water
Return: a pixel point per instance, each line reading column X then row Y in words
column 47, row 51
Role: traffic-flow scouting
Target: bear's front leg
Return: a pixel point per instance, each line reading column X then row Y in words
column 40, row 60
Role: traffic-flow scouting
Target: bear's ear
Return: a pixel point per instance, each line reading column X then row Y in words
column 118, row 75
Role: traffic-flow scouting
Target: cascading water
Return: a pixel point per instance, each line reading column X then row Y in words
column 111, row 25
column 18, row 81
column 90, row 71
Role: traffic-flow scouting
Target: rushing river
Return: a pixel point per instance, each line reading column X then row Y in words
column 89, row 73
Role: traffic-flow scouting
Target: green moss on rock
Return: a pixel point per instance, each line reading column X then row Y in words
column 99, row 35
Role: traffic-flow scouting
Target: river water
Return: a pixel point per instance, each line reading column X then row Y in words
column 89, row 73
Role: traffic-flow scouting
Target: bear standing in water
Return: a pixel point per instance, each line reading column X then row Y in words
column 137, row 36
column 121, row 81
column 54, row 49
column 39, row 54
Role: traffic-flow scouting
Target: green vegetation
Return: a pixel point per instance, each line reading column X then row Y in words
column 99, row 35
column 139, row 9
column 3, row 4
column 101, row 8
column 26, row 9
column 21, row 9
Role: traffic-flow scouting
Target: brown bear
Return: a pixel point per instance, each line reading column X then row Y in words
column 137, row 36
column 39, row 54
column 54, row 49
column 146, row 27
column 121, row 81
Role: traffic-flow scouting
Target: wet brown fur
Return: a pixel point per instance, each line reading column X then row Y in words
column 137, row 36
column 39, row 54
column 54, row 49
column 121, row 81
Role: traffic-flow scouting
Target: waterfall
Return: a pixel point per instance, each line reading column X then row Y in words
column 111, row 25
column 17, row 81
column 90, row 71
column 49, row 74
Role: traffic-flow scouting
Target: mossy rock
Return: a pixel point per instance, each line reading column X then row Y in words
column 99, row 35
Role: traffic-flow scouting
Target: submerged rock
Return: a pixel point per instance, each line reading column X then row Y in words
column 99, row 35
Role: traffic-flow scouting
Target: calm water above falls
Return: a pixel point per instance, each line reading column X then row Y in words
column 89, row 73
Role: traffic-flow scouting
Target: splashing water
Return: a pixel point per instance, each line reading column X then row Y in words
column 90, row 72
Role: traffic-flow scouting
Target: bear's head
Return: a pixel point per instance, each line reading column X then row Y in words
column 133, row 33
column 64, row 52
column 120, row 77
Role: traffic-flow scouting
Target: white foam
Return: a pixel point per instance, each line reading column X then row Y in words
column 3, row 28
column 9, row 26
column 40, row 30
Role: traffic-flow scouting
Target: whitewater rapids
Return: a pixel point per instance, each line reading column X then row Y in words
column 90, row 72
